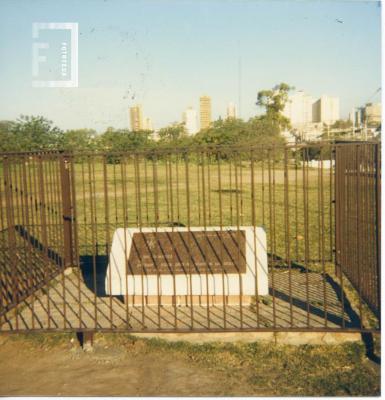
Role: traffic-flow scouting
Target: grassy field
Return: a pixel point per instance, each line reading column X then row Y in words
column 296, row 212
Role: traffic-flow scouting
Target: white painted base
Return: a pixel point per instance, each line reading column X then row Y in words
column 118, row 283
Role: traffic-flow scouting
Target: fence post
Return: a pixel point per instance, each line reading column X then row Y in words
column 378, row 225
column 339, row 187
column 10, row 218
column 67, row 209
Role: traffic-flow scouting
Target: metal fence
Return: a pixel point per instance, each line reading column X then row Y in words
column 174, row 239
column 358, row 219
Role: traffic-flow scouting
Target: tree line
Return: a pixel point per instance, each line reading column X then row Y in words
column 34, row 133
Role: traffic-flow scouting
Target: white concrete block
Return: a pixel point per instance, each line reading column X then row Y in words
column 117, row 281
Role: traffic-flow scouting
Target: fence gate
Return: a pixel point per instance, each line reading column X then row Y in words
column 358, row 231
column 35, row 225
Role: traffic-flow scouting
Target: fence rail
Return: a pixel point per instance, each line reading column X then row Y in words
column 215, row 238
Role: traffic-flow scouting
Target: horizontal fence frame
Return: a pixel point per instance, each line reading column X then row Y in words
column 88, row 195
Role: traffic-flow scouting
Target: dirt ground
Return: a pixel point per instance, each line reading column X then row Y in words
column 57, row 366
column 66, row 370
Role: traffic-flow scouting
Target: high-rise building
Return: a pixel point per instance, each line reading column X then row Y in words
column 326, row 109
column 298, row 109
column 147, row 124
column 231, row 111
column 136, row 118
column 205, row 112
column 372, row 113
column 190, row 120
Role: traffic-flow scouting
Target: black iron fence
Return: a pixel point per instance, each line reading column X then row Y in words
column 191, row 239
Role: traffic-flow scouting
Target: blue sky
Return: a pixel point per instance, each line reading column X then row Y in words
column 165, row 54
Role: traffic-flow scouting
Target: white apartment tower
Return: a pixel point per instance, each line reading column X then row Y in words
column 190, row 119
column 231, row 111
column 298, row 109
column 326, row 109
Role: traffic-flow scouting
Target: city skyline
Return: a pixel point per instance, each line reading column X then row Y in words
column 173, row 52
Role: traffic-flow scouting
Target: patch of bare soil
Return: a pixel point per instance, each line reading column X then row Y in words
column 64, row 369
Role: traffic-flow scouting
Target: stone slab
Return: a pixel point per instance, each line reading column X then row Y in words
column 233, row 281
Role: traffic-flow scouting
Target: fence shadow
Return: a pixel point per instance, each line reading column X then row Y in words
column 94, row 271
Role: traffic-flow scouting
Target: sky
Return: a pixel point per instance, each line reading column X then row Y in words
column 165, row 54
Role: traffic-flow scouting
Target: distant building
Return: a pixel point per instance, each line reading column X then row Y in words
column 190, row 120
column 307, row 116
column 299, row 109
column 356, row 116
column 359, row 116
column 205, row 112
column 147, row 124
column 352, row 116
column 136, row 118
column 372, row 113
column 231, row 111
column 326, row 110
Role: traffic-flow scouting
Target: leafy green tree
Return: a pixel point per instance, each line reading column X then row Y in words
column 6, row 142
column 123, row 140
column 78, row 140
column 274, row 100
column 29, row 133
column 222, row 132
column 338, row 130
column 172, row 133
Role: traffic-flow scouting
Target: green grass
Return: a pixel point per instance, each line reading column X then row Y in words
column 228, row 200
column 285, row 370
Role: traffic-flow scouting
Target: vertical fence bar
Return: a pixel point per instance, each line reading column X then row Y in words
column 238, row 257
column 67, row 211
column 11, row 236
column 271, row 233
column 325, row 302
column 378, row 226
column 188, row 210
column 107, row 231
column 156, row 214
column 287, row 230
column 202, row 154
column 43, row 216
column 305, row 186
column 254, row 223
column 219, row 156
column 76, row 239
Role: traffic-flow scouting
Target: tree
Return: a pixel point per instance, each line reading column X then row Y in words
column 31, row 133
column 222, row 132
column 339, row 129
column 6, row 142
column 172, row 134
column 123, row 140
column 78, row 139
column 342, row 124
column 274, row 101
